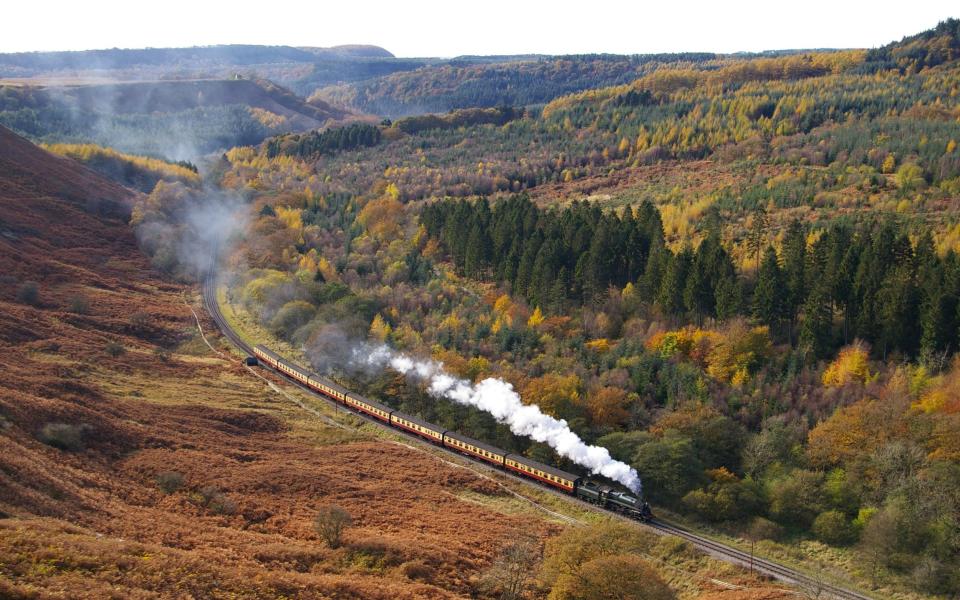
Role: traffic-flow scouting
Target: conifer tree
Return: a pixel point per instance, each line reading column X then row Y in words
column 673, row 285
column 769, row 295
column 816, row 329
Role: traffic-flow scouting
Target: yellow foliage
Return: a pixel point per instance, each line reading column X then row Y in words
column 942, row 394
column 535, row 319
column 555, row 394
column 241, row 154
column 308, row 262
column 851, row 365
column 291, row 217
column 379, row 329
column 381, row 217
column 451, row 322
column 738, row 351
column 92, row 153
column 599, row 345
column 690, row 343
column 328, row 271
column 889, row 164
column 851, row 431
column 267, row 118
column 502, row 305
column 258, row 289
column 721, row 475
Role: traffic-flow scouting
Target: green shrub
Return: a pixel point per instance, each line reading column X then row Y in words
column 114, row 349
column 170, row 481
column 63, row 436
column 216, row 501
column 79, row 305
column 29, row 293
column 764, row 529
column 832, row 527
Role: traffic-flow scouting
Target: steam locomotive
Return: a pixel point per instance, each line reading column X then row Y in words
column 591, row 491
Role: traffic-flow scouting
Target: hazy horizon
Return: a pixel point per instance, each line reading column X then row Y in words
column 427, row 28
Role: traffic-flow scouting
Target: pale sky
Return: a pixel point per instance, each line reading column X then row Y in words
column 436, row 28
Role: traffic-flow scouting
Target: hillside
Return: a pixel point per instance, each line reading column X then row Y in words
column 740, row 278
column 137, row 461
column 301, row 69
column 178, row 96
column 171, row 119
column 31, row 64
column 101, row 361
column 469, row 82
column 916, row 52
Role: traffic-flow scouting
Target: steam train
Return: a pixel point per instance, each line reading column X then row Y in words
column 569, row 483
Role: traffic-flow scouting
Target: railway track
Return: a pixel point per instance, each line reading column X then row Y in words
column 813, row 587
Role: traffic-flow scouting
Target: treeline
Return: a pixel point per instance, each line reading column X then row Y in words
column 465, row 84
column 870, row 281
column 139, row 172
column 328, row 141
column 927, row 49
column 459, row 118
column 45, row 117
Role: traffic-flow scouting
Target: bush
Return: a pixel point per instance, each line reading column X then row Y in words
column 114, row 349
column 764, row 529
column 832, row 527
column 63, row 436
column 417, row 570
column 330, row 522
column 140, row 321
column 795, row 500
column 29, row 293
column 216, row 501
column 170, row 481
column 79, row 305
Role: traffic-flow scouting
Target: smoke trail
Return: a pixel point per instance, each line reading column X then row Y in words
column 498, row 398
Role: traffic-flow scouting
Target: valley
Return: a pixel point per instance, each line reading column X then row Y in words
column 726, row 284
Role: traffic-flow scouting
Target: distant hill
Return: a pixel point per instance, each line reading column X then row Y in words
column 353, row 51
column 171, row 119
column 484, row 82
column 301, row 69
column 927, row 49
column 25, row 64
column 176, row 96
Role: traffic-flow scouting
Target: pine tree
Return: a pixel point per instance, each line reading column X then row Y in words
column 769, row 295
column 525, row 268
column 728, row 298
column 794, row 267
column 757, row 233
column 816, row 329
column 657, row 262
column 698, row 291
column 898, row 311
column 478, row 251
column 670, row 296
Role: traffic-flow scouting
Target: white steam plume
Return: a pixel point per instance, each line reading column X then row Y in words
column 498, row 398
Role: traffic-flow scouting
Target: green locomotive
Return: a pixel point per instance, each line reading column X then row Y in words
column 614, row 500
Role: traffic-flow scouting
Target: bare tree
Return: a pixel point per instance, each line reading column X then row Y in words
column 330, row 522
column 510, row 575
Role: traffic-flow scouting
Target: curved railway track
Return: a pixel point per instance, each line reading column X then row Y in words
column 813, row 587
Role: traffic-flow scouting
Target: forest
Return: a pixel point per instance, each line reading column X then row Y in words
column 470, row 83
column 740, row 277
column 871, row 279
